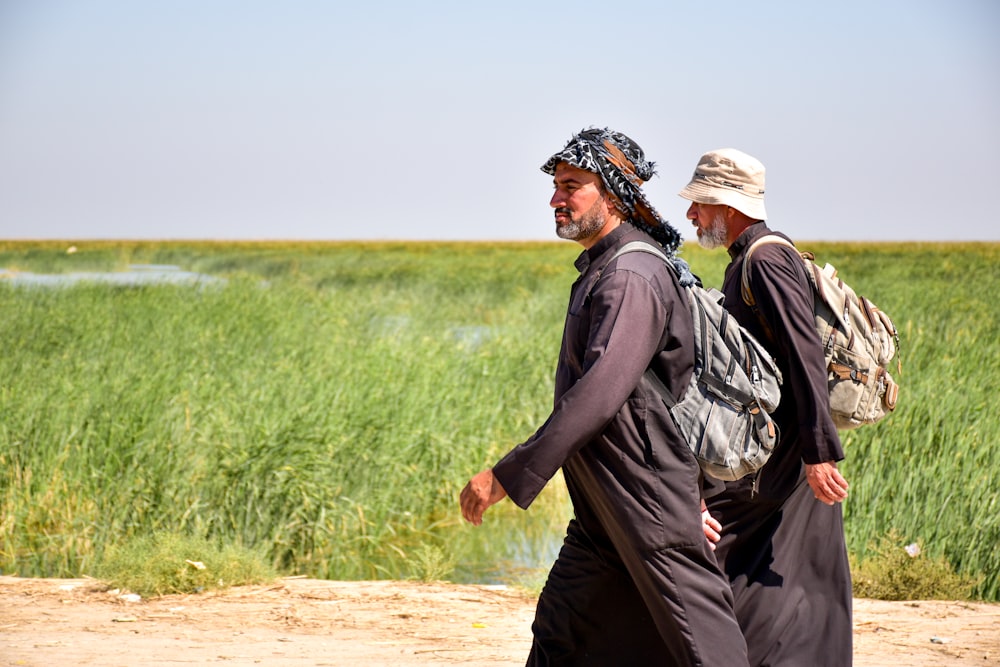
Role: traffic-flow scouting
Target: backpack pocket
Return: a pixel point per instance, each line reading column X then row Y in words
column 861, row 391
column 728, row 440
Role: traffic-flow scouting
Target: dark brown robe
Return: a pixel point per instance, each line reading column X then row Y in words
column 783, row 550
column 635, row 582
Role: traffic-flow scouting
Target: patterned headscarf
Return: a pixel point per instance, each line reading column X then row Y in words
column 623, row 168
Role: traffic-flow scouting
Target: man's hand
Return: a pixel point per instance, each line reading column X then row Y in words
column 828, row 485
column 479, row 494
column 711, row 526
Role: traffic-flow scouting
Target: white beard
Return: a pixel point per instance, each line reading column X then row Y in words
column 715, row 235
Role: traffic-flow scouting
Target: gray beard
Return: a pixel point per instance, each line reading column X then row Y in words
column 590, row 222
column 715, row 235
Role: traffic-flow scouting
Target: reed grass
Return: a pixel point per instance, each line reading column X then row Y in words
column 328, row 402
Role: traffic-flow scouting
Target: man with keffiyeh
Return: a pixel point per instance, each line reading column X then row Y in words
column 635, row 582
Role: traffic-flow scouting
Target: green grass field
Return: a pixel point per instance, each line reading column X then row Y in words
column 327, row 402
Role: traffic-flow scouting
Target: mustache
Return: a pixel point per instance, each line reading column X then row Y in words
column 563, row 210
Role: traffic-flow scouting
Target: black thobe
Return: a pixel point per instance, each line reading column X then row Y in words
column 635, row 582
column 783, row 550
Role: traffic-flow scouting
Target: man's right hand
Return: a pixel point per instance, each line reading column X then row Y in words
column 828, row 485
column 479, row 494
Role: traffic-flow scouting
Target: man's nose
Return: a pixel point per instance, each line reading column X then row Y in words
column 557, row 200
column 692, row 212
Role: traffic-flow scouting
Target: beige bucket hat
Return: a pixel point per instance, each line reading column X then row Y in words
column 729, row 177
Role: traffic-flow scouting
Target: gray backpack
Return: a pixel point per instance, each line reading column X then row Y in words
column 859, row 341
column 724, row 413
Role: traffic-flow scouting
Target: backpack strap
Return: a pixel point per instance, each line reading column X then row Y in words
column 747, row 294
column 631, row 246
column 641, row 246
column 638, row 246
column 766, row 239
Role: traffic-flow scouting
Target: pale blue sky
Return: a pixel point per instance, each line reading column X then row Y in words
column 241, row 119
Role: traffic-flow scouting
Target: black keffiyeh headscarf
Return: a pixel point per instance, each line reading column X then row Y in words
column 623, row 168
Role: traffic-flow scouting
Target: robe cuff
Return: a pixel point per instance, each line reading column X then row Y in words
column 521, row 484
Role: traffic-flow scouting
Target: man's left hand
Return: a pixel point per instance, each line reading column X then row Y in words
column 828, row 485
column 712, row 528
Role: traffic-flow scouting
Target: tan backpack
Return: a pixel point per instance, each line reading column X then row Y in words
column 859, row 341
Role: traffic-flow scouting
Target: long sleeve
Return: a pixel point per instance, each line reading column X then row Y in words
column 608, row 342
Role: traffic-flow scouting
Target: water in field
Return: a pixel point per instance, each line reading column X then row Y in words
column 513, row 547
column 136, row 275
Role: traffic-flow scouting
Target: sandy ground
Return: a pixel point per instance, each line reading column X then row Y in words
column 69, row 622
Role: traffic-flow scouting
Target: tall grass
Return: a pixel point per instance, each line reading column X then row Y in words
column 328, row 402
column 330, row 409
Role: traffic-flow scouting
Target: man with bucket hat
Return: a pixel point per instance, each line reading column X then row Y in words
column 782, row 540
column 635, row 583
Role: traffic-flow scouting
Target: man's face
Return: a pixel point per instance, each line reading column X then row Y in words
column 710, row 220
column 581, row 211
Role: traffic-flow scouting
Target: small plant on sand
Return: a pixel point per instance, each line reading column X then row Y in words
column 169, row 563
column 432, row 563
column 899, row 571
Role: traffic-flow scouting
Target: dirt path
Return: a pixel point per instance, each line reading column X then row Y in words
column 69, row 622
